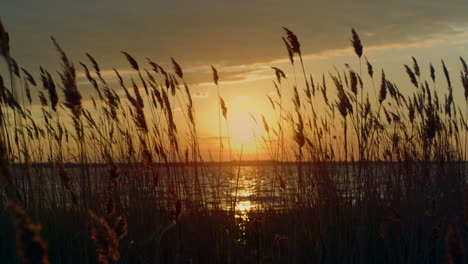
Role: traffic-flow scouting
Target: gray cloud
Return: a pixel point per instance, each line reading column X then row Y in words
column 208, row 32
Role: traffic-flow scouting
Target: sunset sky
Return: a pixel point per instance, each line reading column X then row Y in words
column 242, row 39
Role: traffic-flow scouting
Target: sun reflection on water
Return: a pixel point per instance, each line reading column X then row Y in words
column 244, row 189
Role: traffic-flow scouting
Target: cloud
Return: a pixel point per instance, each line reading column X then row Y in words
column 209, row 32
column 200, row 95
column 203, row 76
column 213, row 139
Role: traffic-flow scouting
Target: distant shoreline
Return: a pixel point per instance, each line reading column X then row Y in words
column 242, row 163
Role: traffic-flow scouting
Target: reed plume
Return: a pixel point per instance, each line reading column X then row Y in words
column 27, row 90
column 290, row 50
column 4, row 42
column 29, row 77
column 416, row 67
column 69, row 88
column 105, row 239
column 412, row 76
column 343, row 103
column 14, row 66
column 432, row 72
column 6, row 172
column 464, row 79
column 177, row 68
column 95, row 64
column 42, row 99
column 293, row 42
column 215, row 75
column 131, row 60
column 356, row 43
column 224, row 109
column 353, row 78
column 2, row 89
column 92, row 80
column 31, row 248
column 383, row 88
column 121, row 227
column 138, row 97
column 279, row 74
column 370, row 69
column 447, row 75
column 64, row 174
column 49, row 85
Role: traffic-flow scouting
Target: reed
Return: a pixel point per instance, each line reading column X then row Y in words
column 352, row 178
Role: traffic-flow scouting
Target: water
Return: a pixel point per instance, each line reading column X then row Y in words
column 240, row 189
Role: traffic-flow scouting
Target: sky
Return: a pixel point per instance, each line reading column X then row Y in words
column 241, row 38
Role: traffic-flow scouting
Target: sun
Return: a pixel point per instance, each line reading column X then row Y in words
column 243, row 130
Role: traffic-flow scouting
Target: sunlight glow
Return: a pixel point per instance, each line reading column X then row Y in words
column 243, row 130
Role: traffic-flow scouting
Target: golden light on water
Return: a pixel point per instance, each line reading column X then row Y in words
column 243, row 207
column 243, row 204
column 247, row 185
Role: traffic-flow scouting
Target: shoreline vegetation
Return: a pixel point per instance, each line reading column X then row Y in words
column 121, row 181
column 234, row 163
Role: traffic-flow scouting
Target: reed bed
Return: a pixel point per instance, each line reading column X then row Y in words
column 362, row 171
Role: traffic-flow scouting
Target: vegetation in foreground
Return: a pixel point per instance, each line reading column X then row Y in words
column 400, row 195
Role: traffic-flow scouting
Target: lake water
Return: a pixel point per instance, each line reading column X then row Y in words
column 235, row 188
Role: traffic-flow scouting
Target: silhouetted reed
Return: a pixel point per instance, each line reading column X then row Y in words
column 352, row 178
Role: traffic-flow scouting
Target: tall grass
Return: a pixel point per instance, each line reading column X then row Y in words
column 367, row 179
